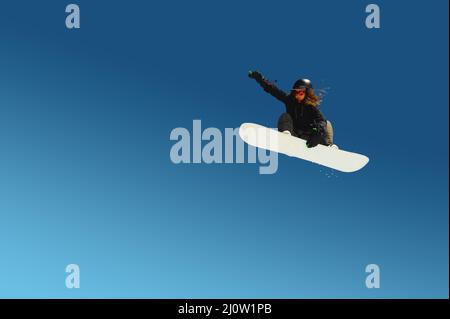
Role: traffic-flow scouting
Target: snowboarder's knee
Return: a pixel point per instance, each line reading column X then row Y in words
column 285, row 117
column 329, row 134
column 285, row 123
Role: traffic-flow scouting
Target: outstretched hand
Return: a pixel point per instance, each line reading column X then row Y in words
column 255, row 75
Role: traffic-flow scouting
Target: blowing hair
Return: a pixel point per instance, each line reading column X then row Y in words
column 311, row 98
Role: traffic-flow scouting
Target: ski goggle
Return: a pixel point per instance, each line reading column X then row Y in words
column 299, row 89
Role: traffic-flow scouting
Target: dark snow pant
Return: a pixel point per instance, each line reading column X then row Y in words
column 285, row 123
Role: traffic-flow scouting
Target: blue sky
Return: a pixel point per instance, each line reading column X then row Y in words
column 86, row 177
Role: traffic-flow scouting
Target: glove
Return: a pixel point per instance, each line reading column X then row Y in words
column 255, row 75
column 317, row 134
column 313, row 140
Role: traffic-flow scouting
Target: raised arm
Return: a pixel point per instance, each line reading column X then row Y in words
column 269, row 87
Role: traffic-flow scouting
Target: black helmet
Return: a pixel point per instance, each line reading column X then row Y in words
column 302, row 83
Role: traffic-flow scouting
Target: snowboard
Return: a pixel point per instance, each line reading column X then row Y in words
column 273, row 140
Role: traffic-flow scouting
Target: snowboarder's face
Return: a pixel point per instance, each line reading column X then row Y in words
column 299, row 94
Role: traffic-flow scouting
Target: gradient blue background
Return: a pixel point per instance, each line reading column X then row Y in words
column 86, row 178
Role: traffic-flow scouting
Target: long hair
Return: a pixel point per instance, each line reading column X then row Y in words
column 311, row 98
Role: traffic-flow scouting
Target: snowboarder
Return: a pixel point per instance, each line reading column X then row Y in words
column 302, row 118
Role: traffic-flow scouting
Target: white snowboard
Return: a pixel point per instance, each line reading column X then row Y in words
column 270, row 139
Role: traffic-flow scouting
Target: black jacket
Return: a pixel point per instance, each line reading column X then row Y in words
column 305, row 117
